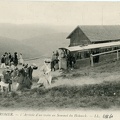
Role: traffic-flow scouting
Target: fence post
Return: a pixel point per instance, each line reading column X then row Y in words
column 117, row 55
column 91, row 59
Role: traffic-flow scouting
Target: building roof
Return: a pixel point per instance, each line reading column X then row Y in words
column 99, row 32
column 92, row 46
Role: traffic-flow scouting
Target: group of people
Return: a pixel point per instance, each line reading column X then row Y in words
column 21, row 76
column 62, row 60
column 71, row 60
column 7, row 59
column 54, row 60
column 11, row 71
column 24, row 76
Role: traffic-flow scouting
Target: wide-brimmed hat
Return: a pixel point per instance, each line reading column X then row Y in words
column 7, row 67
column 47, row 60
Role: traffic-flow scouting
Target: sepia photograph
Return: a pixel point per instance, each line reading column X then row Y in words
column 59, row 60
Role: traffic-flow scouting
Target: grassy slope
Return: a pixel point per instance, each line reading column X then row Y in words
column 48, row 43
column 12, row 45
column 102, row 95
column 33, row 40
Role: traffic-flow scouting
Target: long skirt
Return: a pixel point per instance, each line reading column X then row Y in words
column 19, row 86
column 44, row 81
column 21, row 61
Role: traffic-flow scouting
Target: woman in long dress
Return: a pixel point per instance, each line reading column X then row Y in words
column 20, row 79
column 21, row 59
column 45, row 77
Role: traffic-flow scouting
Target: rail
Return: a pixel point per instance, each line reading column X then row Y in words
column 91, row 56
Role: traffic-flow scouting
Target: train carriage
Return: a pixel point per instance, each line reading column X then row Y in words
column 93, row 53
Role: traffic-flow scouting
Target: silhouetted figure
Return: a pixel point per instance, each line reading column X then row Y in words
column 15, row 59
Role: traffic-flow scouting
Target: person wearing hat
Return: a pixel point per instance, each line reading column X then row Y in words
column 53, row 61
column 45, row 77
column 3, row 84
column 25, row 78
column 7, row 77
column 15, row 59
column 20, row 79
column 30, row 69
column 3, row 61
column 21, row 61
column 6, row 59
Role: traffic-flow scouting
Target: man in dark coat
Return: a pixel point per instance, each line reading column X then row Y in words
column 3, row 61
column 53, row 61
column 15, row 59
column 30, row 71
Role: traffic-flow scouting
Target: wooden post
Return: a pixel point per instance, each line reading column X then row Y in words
column 91, row 59
column 117, row 55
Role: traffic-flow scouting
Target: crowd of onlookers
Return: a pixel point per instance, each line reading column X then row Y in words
column 61, row 59
column 22, row 74
column 10, row 71
column 7, row 59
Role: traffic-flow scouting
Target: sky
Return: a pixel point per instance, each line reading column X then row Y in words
column 60, row 13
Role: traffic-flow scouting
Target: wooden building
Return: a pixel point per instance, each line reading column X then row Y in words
column 93, row 34
column 90, row 42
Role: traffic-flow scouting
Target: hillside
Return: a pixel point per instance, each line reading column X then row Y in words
column 12, row 45
column 33, row 40
column 94, row 88
column 48, row 43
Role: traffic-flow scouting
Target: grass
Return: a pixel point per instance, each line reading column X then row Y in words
column 105, row 95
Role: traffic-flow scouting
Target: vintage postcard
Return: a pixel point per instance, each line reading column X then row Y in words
column 59, row 60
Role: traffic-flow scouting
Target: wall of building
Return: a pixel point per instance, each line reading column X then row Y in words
column 79, row 38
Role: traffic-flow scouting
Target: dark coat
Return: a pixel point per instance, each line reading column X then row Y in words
column 3, row 59
column 15, row 60
column 30, row 71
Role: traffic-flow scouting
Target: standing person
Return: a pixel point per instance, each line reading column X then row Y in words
column 27, row 83
column 9, row 55
column 3, row 61
column 6, row 59
column 53, row 61
column 12, row 59
column 15, row 59
column 56, row 60
column 20, row 79
column 7, row 77
column 61, row 55
column 45, row 77
column 21, row 59
column 30, row 71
